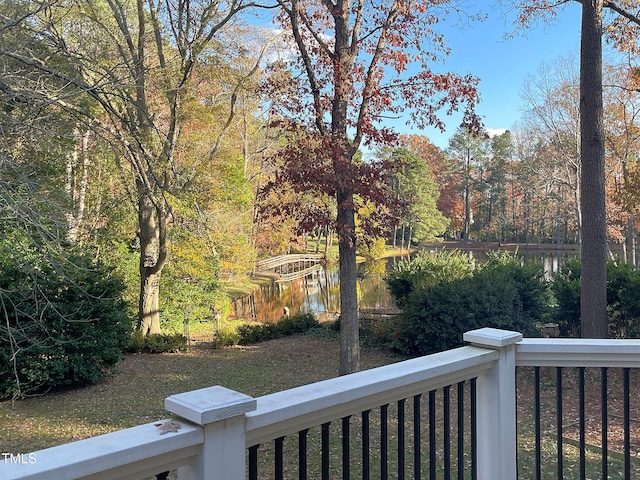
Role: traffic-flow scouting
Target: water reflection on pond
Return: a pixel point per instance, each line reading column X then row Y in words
column 319, row 291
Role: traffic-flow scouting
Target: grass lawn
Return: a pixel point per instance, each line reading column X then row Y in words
column 135, row 395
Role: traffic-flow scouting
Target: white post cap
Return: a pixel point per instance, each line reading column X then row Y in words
column 210, row 404
column 492, row 337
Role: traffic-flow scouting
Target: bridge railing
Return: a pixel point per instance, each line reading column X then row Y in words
column 275, row 262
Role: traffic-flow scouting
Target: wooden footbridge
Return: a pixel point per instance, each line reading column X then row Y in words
column 290, row 267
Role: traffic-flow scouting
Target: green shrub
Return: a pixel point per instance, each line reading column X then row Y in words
column 64, row 323
column 190, row 302
column 157, row 343
column 623, row 302
column 424, row 271
column 299, row 323
column 565, row 286
column 260, row 332
column 379, row 333
column 226, row 336
column 504, row 293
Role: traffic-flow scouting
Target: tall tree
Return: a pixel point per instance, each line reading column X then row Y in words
column 419, row 193
column 496, row 178
column 469, row 151
column 352, row 58
column 622, row 122
column 624, row 33
column 552, row 122
column 137, row 61
column 445, row 175
column 593, row 251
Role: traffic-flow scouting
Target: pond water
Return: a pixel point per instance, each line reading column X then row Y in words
column 319, row 291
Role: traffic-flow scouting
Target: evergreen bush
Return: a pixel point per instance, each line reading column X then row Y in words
column 226, row 336
column 623, row 302
column 157, row 343
column 504, row 293
column 424, row 271
column 298, row 323
column 565, row 286
column 260, row 332
column 64, row 322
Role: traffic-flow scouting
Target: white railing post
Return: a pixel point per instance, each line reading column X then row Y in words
column 496, row 406
column 221, row 412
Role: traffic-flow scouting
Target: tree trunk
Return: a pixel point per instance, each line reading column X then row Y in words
column 77, row 194
column 349, row 326
column 467, row 214
column 593, row 293
column 149, row 313
column 631, row 249
column 578, row 198
column 327, row 243
column 467, row 209
column 152, row 233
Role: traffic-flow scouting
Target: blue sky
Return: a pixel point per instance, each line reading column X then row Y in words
column 480, row 48
column 502, row 65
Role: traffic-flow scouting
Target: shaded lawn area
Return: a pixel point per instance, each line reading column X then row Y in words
column 135, row 395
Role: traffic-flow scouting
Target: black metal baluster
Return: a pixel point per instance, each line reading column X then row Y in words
column 559, row 422
column 517, row 425
column 401, row 439
column 538, row 429
column 447, row 432
column 474, row 430
column 325, row 450
column 302, row 453
column 627, row 423
column 279, row 460
column 253, row 462
column 416, row 438
column 581, row 420
column 432, row 435
column 366, row 459
column 346, row 460
column 460, row 430
column 384, row 438
column 604, row 421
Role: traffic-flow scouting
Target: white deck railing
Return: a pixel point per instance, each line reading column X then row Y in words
column 217, row 424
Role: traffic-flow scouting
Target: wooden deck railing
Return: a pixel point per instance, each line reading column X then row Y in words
column 218, row 425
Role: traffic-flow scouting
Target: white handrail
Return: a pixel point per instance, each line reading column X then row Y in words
column 136, row 452
column 577, row 352
column 293, row 410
